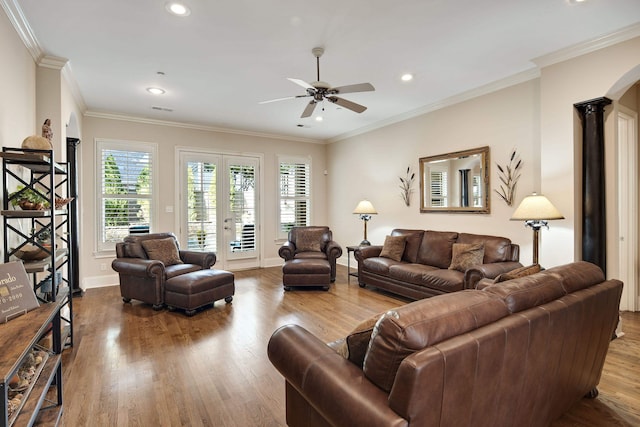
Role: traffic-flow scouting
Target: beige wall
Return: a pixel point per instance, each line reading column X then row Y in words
column 168, row 139
column 369, row 166
column 17, row 86
column 561, row 85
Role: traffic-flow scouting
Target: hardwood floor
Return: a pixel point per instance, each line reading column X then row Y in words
column 132, row 366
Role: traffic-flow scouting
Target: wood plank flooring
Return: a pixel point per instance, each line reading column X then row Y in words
column 132, row 366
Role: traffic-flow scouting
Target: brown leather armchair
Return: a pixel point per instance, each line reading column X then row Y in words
column 145, row 261
column 313, row 242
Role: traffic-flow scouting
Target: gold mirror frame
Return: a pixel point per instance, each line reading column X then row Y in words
column 450, row 169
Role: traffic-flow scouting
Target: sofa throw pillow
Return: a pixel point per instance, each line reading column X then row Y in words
column 393, row 247
column 355, row 345
column 164, row 250
column 466, row 255
column 309, row 241
column 518, row 272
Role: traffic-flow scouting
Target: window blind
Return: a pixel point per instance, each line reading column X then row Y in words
column 294, row 195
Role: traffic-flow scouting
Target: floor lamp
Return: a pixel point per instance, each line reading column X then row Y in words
column 365, row 209
column 535, row 210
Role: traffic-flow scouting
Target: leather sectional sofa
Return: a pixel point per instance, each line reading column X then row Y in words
column 520, row 352
column 423, row 271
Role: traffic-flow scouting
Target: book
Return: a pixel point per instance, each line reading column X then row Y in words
column 16, row 292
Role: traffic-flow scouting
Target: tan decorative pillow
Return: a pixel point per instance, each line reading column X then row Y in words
column 518, row 272
column 393, row 247
column 355, row 345
column 309, row 241
column 466, row 255
column 164, row 250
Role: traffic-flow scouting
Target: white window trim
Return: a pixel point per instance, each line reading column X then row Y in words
column 292, row 159
column 108, row 248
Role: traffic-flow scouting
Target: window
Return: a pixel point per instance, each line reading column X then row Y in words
column 126, row 186
column 295, row 194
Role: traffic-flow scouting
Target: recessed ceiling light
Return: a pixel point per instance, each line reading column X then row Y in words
column 155, row 90
column 407, row 77
column 178, row 9
column 319, row 119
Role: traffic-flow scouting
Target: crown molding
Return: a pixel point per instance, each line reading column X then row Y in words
column 622, row 35
column 22, row 27
column 193, row 126
column 52, row 62
column 512, row 80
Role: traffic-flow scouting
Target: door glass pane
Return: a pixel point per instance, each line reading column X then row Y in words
column 201, row 206
column 242, row 207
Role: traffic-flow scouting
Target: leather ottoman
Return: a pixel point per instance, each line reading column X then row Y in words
column 199, row 288
column 306, row 272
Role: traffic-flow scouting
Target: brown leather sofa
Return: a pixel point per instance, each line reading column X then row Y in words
column 310, row 245
column 520, row 352
column 424, row 270
column 142, row 278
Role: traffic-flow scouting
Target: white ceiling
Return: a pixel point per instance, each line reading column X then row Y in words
column 228, row 55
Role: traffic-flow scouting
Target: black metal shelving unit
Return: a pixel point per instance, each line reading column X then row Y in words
column 35, row 170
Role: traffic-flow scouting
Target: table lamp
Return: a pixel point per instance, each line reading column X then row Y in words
column 365, row 209
column 535, row 210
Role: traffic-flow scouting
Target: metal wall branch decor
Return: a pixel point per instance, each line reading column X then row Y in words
column 406, row 185
column 509, row 176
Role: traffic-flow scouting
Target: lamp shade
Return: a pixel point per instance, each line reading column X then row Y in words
column 536, row 207
column 365, row 208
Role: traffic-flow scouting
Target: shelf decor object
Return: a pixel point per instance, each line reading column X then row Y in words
column 535, row 210
column 365, row 209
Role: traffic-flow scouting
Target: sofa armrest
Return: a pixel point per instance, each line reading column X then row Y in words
column 287, row 250
column 333, row 250
column 203, row 259
column 138, row 267
column 490, row 271
column 364, row 252
column 335, row 387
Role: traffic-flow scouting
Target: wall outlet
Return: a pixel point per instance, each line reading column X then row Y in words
column 103, row 267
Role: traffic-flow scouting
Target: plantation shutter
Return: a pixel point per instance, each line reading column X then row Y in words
column 126, row 188
column 294, row 195
column 438, row 188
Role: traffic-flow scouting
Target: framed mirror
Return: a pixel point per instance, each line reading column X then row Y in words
column 455, row 182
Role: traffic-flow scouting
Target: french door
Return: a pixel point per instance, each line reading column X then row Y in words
column 219, row 207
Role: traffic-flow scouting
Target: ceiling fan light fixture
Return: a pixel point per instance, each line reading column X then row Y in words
column 177, row 9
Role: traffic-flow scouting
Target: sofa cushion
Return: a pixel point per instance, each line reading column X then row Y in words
column 379, row 265
column 310, row 240
column 436, row 247
column 424, row 323
column 527, row 292
column 578, row 275
column 496, row 249
column 518, row 272
column 431, row 277
column 412, row 244
column 393, row 247
column 465, row 256
column 164, row 250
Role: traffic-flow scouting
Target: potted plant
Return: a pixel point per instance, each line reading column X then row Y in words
column 28, row 199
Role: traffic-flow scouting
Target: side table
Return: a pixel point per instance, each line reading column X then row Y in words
column 349, row 273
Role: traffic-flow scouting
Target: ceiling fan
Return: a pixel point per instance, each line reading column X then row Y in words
column 321, row 91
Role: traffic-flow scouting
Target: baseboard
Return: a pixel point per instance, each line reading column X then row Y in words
column 100, row 281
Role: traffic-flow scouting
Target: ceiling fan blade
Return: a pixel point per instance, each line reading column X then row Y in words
column 360, row 87
column 309, row 110
column 301, row 83
column 347, row 104
column 283, row 99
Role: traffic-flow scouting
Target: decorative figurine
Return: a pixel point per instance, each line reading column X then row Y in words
column 46, row 130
